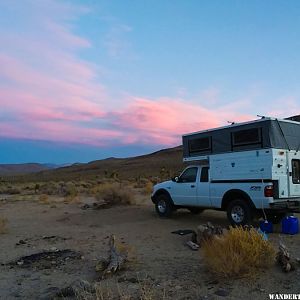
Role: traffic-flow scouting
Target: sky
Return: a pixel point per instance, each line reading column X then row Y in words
column 88, row 79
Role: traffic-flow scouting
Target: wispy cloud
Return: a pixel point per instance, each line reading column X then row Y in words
column 115, row 40
column 48, row 92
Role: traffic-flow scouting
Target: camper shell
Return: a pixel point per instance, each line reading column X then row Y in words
column 245, row 169
column 265, row 133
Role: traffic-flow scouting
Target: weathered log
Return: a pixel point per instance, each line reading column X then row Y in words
column 207, row 231
column 283, row 258
column 116, row 260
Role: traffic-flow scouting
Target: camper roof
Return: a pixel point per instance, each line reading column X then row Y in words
column 263, row 119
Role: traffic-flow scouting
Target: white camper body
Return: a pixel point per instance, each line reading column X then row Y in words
column 244, row 168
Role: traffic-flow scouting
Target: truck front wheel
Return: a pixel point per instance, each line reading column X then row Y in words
column 239, row 212
column 164, row 206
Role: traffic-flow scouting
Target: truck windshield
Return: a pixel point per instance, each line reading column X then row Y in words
column 296, row 171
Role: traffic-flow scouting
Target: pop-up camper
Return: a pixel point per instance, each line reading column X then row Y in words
column 246, row 169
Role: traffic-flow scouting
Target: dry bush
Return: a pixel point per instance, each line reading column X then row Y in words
column 71, row 193
column 10, row 190
column 44, row 199
column 3, row 226
column 140, row 182
column 148, row 188
column 240, row 252
column 113, row 291
column 115, row 194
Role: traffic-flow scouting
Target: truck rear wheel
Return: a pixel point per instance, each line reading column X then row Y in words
column 164, row 206
column 239, row 212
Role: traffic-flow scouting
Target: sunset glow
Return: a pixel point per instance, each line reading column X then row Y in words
column 102, row 76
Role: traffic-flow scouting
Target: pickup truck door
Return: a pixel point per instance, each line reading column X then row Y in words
column 184, row 191
column 203, row 195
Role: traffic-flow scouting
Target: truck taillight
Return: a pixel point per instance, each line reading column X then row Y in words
column 269, row 191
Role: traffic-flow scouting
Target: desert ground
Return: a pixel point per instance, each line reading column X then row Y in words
column 161, row 266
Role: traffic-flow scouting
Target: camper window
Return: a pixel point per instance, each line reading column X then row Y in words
column 246, row 137
column 296, row 171
column 199, row 145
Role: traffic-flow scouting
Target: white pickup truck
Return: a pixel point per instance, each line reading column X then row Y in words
column 249, row 169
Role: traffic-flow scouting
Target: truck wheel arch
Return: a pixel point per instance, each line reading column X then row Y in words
column 162, row 192
column 236, row 194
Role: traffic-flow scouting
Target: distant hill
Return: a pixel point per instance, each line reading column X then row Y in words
column 166, row 161
column 14, row 169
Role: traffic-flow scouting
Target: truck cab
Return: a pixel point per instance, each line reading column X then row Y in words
column 258, row 174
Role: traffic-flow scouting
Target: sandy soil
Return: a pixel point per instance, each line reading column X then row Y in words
column 162, row 259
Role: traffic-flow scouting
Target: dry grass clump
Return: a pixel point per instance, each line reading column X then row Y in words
column 240, row 252
column 44, row 199
column 115, row 194
column 10, row 190
column 71, row 193
column 113, row 290
column 148, row 188
column 3, row 226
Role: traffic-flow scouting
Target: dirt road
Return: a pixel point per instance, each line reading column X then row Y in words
column 161, row 258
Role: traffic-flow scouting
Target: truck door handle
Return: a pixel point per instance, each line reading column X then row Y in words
column 192, row 186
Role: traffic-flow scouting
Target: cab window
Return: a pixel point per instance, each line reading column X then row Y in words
column 204, row 174
column 189, row 175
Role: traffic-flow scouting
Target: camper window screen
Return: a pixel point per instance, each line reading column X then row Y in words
column 296, row 171
column 246, row 137
column 199, row 145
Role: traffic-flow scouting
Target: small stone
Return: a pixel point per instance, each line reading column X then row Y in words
column 222, row 292
column 53, row 249
column 20, row 263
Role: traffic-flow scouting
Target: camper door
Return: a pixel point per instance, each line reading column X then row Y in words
column 294, row 173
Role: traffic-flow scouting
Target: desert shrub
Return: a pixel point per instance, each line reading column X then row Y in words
column 148, row 188
column 3, row 226
column 114, row 194
column 239, row 252
column 71, row 192
column 10, row 190
column 140, row 183
column 49, row 188
column 44, row 199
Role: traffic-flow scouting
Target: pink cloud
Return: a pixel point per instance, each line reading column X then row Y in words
column 47, row 92
column 163, row 121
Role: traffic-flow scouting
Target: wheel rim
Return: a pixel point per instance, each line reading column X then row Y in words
column 161, row 206
column 237, row 214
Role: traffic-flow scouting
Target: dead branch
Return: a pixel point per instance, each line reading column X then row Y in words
column 283, row 258
column 116, row 260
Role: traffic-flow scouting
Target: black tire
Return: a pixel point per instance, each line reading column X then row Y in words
column 164, row 206
column 239, row 212
column 195, row 210
column 275, row 218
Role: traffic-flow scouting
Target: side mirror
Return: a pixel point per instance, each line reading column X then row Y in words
column 176, row 179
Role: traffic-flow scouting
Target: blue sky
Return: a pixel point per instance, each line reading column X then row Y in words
column 84, row 80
